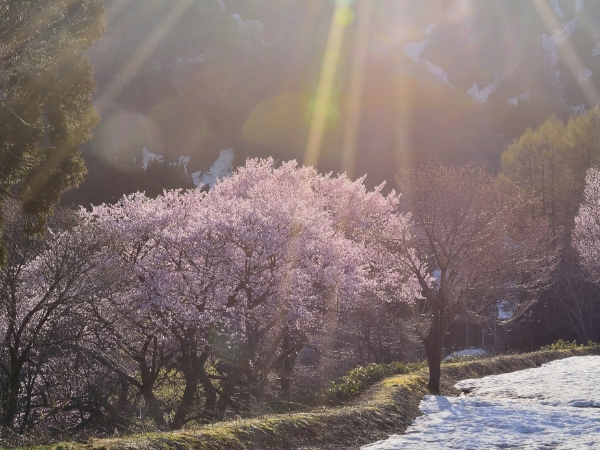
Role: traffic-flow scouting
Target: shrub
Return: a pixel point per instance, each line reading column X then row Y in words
column 562, row 345
column 359, row 378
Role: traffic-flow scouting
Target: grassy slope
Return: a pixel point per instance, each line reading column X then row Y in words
column 387, row 408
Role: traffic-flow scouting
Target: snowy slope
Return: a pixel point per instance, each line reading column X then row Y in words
column 554, row 406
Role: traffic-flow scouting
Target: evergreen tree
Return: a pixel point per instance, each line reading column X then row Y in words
column 550, row 163
column 46, row 109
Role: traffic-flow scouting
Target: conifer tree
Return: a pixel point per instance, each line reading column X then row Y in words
column 46, row 109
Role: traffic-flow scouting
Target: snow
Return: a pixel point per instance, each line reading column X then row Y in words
column 148, row 156
column 222, row 167
column 525, row 96
column 577, row 109
column 430, row 27
column 585, row 75
column 556, row 406
column 438, row 72
column 557, row 9
column 251, row 30
column 481, row 96
column 570, row 27
column 184, row 161
column 551, row 44
column 579, row 5
column 506, row 309
column 222, row 5
column 414, row 49
column 472, row 352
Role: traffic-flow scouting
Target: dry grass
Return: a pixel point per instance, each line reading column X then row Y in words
column 386, row 408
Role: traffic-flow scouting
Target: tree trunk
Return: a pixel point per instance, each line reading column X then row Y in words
column 210, row 392
column 434, row 344
column 155, row 411
column 120, row 415
column 227, row 390
column 190, row 366
column 288, row 366
column 186, row 405
column 9, row 398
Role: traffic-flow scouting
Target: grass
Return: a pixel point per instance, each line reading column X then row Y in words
column 360, row 378
column 566, row 345
column 387, row 407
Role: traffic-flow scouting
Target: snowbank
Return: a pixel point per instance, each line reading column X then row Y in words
column 553, row 406
column 469, row 352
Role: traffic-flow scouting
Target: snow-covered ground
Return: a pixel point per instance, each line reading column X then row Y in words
column 555, row 406
column 467, row 353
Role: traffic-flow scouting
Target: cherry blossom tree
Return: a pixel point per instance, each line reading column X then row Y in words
column 469, row 244
column 135, row 339
column 242, row 276
column 304, row 241
column 46, row 290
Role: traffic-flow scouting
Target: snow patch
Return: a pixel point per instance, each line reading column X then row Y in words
column 570, row 27
column 196, row 177
column 552, row 406
column 436, row 278
column 577, row 109
column 557, row 9
column 472, row 352
column 506, row 309
column 414, row 49
column 438, row 72
column 148, row 156
column 525, row 96
column 596, row 50
column 430, row 28
column 585, row 75
column 251, row 30
column 579, row 5
column 184, row 161
column 188, row 60
column 222, row 5
column 550, row 45
column 481, row 96
column 221, row 168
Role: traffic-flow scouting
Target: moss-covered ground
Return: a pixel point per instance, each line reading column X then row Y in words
column 386, row 408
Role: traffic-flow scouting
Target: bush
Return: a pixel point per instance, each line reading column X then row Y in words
column 562, row 345
column 359, row 378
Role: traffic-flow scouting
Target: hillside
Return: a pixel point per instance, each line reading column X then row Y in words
column 457, row 80
column 387, row 408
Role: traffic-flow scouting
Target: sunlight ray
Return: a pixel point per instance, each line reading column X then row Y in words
column 568, row 53
column 155, row 37
column 310, row 18
column 325, row 88
column 116, row 8
column 357, row 80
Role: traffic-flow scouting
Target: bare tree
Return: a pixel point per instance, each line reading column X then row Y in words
column 471, row 247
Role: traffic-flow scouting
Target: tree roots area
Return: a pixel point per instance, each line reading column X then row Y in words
column 388, row 407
